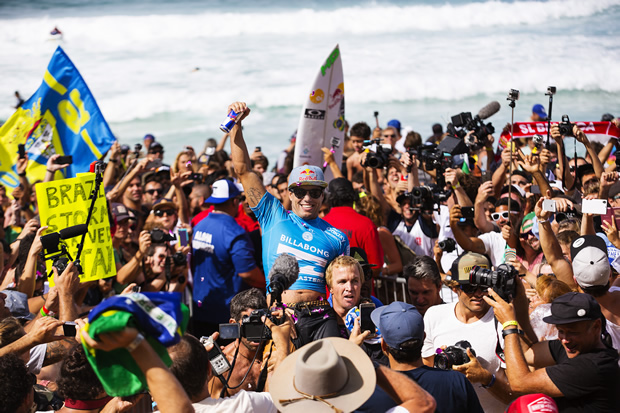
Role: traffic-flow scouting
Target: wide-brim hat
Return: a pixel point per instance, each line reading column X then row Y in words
column 165, row 203
column 307, row 175
column 324, row 367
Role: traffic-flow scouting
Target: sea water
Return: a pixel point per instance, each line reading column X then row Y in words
column 171, row 68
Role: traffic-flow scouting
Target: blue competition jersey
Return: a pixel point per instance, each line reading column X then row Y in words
column 314, row 243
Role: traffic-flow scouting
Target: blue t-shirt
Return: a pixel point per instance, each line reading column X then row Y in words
column 221, row 249
column 314, row 243
column 451, row 390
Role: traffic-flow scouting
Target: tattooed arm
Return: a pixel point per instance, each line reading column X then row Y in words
column 57, row 350
column 252, row 183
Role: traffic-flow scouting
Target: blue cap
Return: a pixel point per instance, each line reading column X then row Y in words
column 398, row 322
column 223, row 190
column 307, row 175
column 539, row 110
column 148, row 136
column 395, row 123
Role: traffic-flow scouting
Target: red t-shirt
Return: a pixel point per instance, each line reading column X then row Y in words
column 242, row 219
column 360, row 231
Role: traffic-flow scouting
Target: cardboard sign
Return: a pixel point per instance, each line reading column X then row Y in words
column 65, row 203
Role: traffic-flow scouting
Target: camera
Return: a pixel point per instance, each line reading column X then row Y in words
column 447, row 245
column 566, row 127
column 503, row 280
column 463, row 123
column 178, row 259
column 550, row 90
column 513, row 95
column 124, row 149
column 454, row 355
column 253, row 328
column 159, row 236
column 379, row 158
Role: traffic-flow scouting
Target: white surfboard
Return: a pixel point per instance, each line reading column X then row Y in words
column 322, row 117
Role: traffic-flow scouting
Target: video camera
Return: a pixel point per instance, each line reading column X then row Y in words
column 55, row 249
column 464, row 123
column 251, row 327
column 379, row 158
column 425, row 198
column 503, row 280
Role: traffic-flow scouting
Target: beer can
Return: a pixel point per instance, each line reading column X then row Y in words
column 228, row 124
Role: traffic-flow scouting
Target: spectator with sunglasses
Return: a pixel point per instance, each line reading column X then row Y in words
column 300, row 233
column 153, row 192
column 472, row 319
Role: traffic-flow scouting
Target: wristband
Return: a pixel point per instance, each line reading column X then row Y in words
column 23, row 174
column 542, row 221
column 49, row 171
column 47, row 313
column 512, row 331
column 114, row 160
column 135, row 343
column 491, row 383
column 510, row 323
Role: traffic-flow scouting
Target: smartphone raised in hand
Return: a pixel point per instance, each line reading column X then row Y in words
column 366, row 323
column 61, row 160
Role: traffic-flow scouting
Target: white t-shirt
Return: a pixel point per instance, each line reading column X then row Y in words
column 37, row 357
column 442, row 328
column 416, row 239
column 244, row 401
column 614, row 332
column 494, row 247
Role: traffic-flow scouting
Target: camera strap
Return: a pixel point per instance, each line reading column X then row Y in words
column 262, row 378
column 499, row 351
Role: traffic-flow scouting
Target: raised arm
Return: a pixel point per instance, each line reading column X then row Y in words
column 550, row 245
column 466, row 242
column 252, row 184
column 596, row 163
column 480, row 219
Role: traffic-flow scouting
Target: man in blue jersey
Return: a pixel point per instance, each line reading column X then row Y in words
column 299, row 232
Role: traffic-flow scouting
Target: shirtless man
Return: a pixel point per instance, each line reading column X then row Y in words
column 359, row 133
column 300, row 233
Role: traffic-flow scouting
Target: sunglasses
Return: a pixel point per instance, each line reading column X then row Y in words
column 525, row 235
column 156, row 151
column 471, row 288
column 389, row 136
column 497, row 215
column 152, row 191
column 162, row 212
column 300, row 193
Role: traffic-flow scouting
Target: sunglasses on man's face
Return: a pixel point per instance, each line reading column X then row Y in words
column 497, row 215
column 162, row 212
column 525, row 235
column 471, row 288
column 152, row 191
column 300, row 193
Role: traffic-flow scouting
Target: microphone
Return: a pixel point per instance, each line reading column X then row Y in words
column 73, row 231
column 489, row 110
column 283, row 274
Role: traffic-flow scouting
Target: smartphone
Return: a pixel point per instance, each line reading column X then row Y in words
column 594, row 206
column 257, row 149
column 218, row 361
column 548, row 205
column 21, row 149
column 210, row 151
column 365, row 321
column 610, row 214
column 69, row 329
column 196, row 176
column 61, row 160
column 183, row 237
column 230, row 331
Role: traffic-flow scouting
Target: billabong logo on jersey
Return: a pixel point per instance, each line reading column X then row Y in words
column 307, row 236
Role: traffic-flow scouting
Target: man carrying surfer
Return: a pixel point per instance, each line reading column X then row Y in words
column 299, row 232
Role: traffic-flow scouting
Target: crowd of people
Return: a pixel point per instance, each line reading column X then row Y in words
column 512, row 304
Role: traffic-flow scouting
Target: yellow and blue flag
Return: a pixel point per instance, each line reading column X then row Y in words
column 62, row 117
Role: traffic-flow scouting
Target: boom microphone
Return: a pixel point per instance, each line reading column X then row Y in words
column 489, row 110
column 283, row 274
column 73, row 231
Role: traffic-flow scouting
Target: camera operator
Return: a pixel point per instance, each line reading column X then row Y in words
column 241, row 305
column 417, row 228
column 164, row 270
column 470, row 318
column 128, row 269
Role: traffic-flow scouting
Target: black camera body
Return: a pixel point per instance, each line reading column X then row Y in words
column 377, row 159
column 464, row 123
column 447, row 245
column 253, row 328
column 503, row 280
column 159, row 236
column 566, row 127
column 178, row 259
column 455, row 355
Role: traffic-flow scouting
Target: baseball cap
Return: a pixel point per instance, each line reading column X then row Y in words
column 156, row 146
column 539, row 110
column 533, row 403
column 462, row 266
column 164, row 203
column 307, row 175
column 607, row 117
column 590, row 261
column 17, row 303
column 223, row 190
column 148, row 136
column 395, row 123
column 120, row 212
column 573, row 307
column 398, row 322
column 360, row 255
